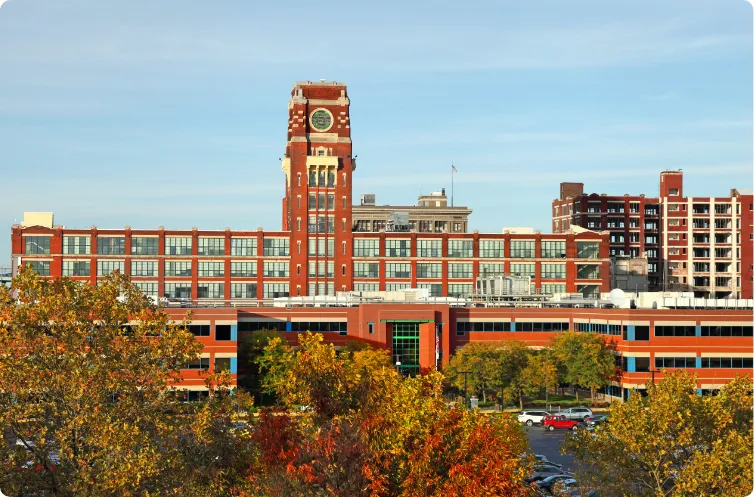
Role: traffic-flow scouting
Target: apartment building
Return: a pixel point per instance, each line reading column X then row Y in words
column 699, row 244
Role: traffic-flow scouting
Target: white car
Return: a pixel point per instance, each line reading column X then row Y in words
column 530, row 418
column 577, row 413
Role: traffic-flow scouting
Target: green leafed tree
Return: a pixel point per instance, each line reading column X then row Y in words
column 585, row 359
column 671, row 443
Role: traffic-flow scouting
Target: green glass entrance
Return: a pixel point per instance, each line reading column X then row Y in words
column 406, row 347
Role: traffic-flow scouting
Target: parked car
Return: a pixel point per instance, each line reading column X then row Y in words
column 532, row 417
column 547, row 483
column 579, row 413
column 542, row 472
column 595, row 420
column 559, row 422
column 565, row 486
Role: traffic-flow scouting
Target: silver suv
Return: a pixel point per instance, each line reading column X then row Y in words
column 577, row 413
column 532, row 417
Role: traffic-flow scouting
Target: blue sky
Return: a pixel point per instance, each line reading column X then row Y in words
column 173, row 113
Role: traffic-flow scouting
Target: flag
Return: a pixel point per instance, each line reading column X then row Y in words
column 454, row 168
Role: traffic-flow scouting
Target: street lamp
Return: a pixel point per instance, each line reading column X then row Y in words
column 465, row 386
column 398, row 364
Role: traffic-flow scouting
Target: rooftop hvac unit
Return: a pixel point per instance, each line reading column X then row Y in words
column 368, row 199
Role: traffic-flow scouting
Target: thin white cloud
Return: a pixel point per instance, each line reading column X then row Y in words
column 2, row 2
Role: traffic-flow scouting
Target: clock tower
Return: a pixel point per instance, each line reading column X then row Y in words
column 318, row 167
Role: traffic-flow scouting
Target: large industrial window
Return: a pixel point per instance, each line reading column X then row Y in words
column 588, row 272
column 461, row 248
column 243, row 246
column 276, row 247
column 144, row 245
column 177, row 268
column 553, row 271
column 211, row 246
column 460, row 270
column 211, row 269
column 553, row 288
column 243, row 290
column 243, row 269
column 106, row 267
column 396, row 287
column 553, row 249
column 523, row 269
column 428, row 270
column 210, row 291
column 492, row 249
column 588, row 250
column 76, row 245
column 406, row 347
column 366, row 247
column 178, row 245
column 42, row 268
column 275, row 290
column 366, row 270
column 488, row 269
column 460, row 290
column 435, row 289
column 276, row 270
column 143, row 268
column 366, row 287
column 398, row 248
column 222, row 332
column 464, row 327
column 429, row 248
column 111, row 245
column 178, row 290
column 398, row 270
column 522, row 249
column 148, row 288
column 76, row 268
column 202, row 363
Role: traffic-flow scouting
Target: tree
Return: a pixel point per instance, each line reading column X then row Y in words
column 87, row 399
column 465, row 454
column 586, row 359
column 374, row 433
column 250, row 349
column 476, row 367
column 513, row 363
column 672, row 443
column 541, row 372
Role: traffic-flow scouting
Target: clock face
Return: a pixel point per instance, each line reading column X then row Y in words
column 321, row 120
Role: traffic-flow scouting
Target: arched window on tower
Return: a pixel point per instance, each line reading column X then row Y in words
column 330, row 179
column 321, row 179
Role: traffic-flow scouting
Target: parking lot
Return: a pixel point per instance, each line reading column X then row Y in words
column 548, row 443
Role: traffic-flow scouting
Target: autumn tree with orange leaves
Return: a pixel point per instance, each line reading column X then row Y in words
column 374, row 433
column 85, row 403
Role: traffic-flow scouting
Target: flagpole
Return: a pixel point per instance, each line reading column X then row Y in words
column 452, row 174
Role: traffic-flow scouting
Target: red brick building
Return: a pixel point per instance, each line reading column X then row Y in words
column 699, row 244
column 231, row 276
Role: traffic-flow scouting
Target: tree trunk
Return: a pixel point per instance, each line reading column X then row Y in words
column 592, row 395
column 577, row 394
column 484, row 395
column 521, row 402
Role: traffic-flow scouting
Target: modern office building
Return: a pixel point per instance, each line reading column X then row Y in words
column 231, row 278
column 699, row 244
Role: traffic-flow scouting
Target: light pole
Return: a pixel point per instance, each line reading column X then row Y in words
column 547, row 378
column 465, row 386
column 398, row 364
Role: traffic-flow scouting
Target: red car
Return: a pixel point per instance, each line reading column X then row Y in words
column 561, row 422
